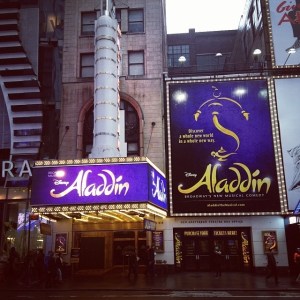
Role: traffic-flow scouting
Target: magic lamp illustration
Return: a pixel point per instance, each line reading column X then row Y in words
column 222, row 154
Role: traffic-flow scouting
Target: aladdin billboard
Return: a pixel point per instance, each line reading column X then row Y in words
column 221, row 151
column 288, row 105
column 285, row 31
column 97, row 184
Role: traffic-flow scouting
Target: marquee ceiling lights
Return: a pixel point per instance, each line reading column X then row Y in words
column 129, row 212
column 56, row 162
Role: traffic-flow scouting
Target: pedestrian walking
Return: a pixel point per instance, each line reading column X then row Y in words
column 150, row 261
column 40, row 265
column 59, row 267
column 296, row 258
column 13, row 265
column 132, row 265
column 271, row 266
column 51, row 270
column 217, row 261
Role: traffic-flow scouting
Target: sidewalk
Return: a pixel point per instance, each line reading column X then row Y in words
column 186, row 281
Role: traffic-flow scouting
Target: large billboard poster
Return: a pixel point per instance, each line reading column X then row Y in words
column 221, row 148
column 288, row 105
column 285, row 24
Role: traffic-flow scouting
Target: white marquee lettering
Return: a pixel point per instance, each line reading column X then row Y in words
column 159, row 190
column 109, row 185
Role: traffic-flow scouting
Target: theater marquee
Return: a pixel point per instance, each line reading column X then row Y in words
column 97, row 183
column 221, row 148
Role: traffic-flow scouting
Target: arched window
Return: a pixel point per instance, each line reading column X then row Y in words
column 132, row 130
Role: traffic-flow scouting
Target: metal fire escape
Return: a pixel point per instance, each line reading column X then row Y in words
column 20, row 89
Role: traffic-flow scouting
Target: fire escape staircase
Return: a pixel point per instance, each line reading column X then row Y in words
column 20, row 89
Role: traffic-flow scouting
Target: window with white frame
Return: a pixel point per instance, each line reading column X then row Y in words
column 87, row 65
column 136, row 63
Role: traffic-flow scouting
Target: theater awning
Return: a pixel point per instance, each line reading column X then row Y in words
column 129, row 187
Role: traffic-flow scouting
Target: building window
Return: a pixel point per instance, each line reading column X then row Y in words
column 211, row 62
column 88, row 22
column 122, row 19
column 132, row 130
column 136, row 63
column 136, row 20
column 87, row 65
column 174, row 52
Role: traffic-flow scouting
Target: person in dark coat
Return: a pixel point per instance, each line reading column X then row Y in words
column 40, row 264
column 59, row 267
column 132, row 265
column 217, row 261
column 51, row 270
column 13, row 261
column 296, row 259
column 150, row 261
column 271, row 266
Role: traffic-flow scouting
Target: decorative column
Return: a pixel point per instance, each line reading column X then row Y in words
column 106, row 94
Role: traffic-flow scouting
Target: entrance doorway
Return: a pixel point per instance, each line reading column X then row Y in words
column 232, row 256
column 194, row 248
column 92, row 253
column 196, row 253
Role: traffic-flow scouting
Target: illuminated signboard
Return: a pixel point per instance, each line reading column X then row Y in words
column 158, row 241
column 221, row 148
column 91, row 184
column 288, row 106
column 149, row 225
column 285, row 24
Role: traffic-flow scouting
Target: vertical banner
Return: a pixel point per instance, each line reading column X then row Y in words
column 158, row 241
column 285, row 24
column 288, row 105
column 221, row 148
column 61, row 240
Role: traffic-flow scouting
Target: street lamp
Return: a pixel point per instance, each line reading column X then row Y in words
column 256, row 54
column 182, row 60
column 218, row 55
column 292, row 50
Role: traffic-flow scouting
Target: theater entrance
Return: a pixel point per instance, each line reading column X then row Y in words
column 194, row 248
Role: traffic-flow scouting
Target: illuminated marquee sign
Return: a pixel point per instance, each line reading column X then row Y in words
column 222, row 157
column 91, row 184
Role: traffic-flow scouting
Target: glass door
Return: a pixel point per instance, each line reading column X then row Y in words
column 190, row 254
column 203, row 254
column 196, row 254
column 231, row 253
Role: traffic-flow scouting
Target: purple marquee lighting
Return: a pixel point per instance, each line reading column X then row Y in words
column 97, row 184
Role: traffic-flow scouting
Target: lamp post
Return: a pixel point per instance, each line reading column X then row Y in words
column 256, row 54
column 218, row 55
column 181, row 60
column 290, row 51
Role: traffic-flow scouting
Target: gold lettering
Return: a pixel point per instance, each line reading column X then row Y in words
column 245, row 181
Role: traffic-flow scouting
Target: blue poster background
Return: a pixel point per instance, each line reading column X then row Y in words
column 228, row 125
